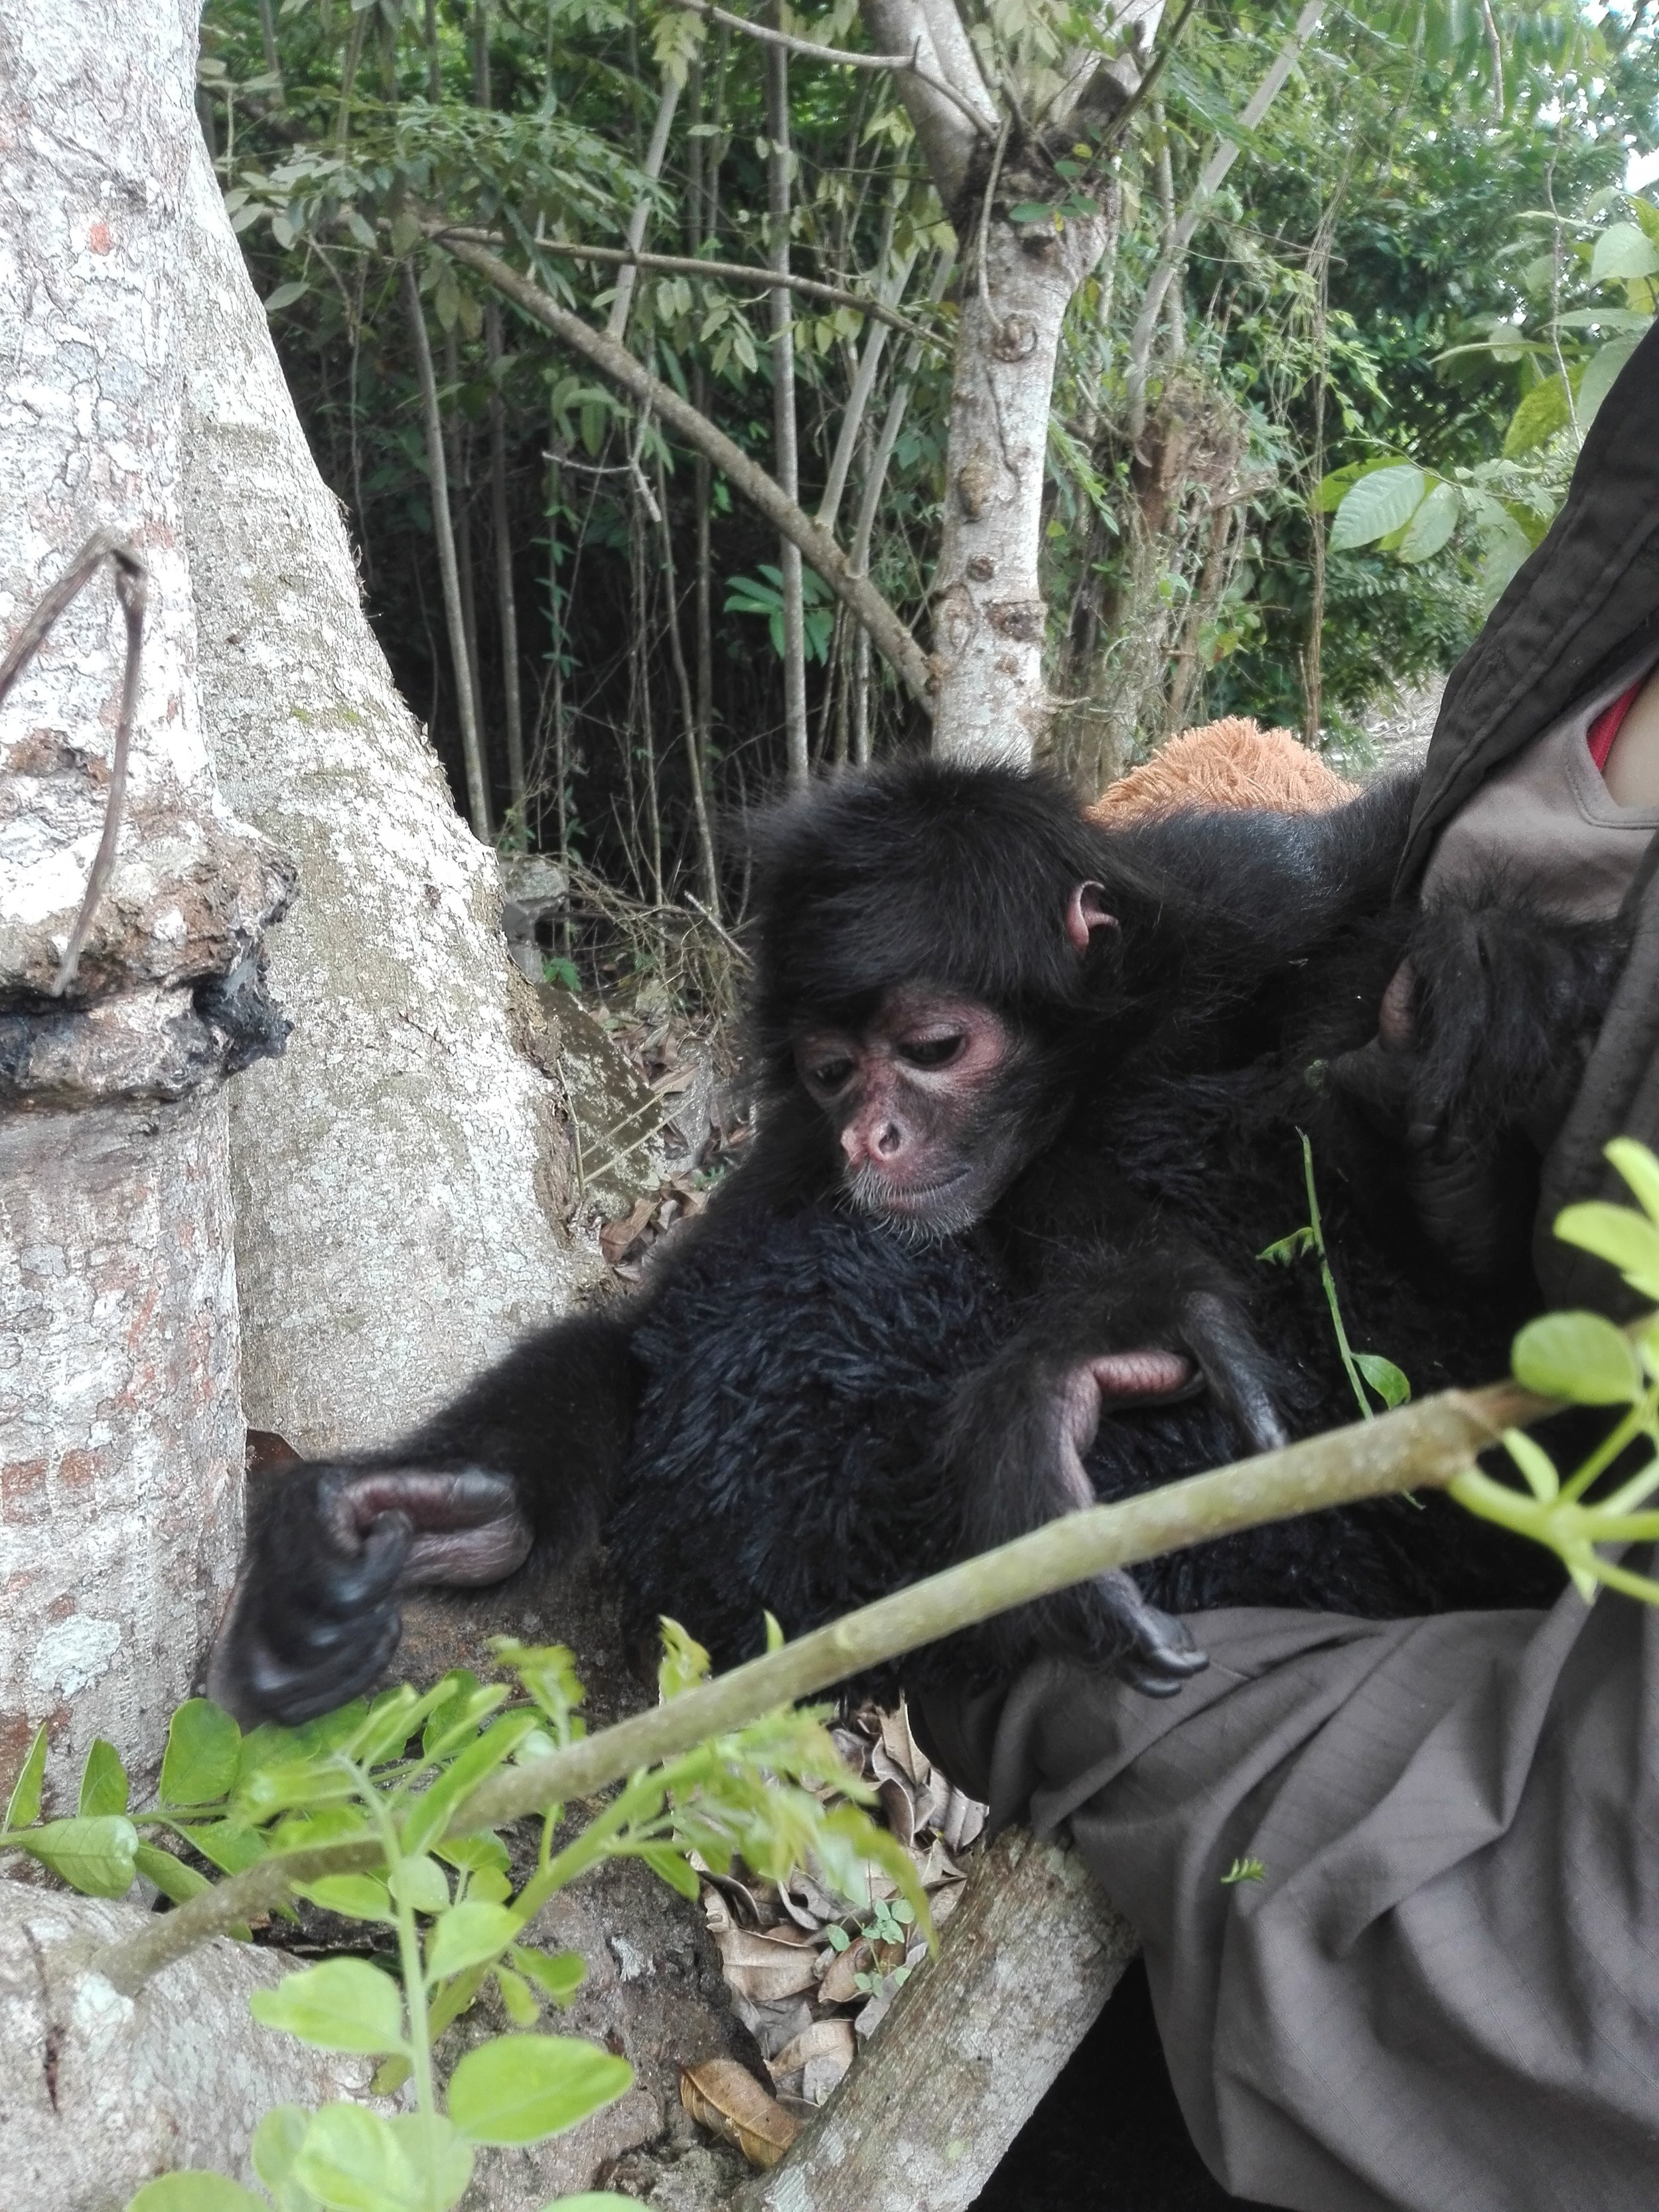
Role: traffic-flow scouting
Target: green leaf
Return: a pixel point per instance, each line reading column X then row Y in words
column 1623, row 250
column 1331, row 490
column 1579, row 1356
column 521, row 2087
column 518, row 1996
column 436, row 2151
column 1288, row 1248
column 1432, row 525
column 358, row 1896
column 1600, row 375
column 671, row 1867
column 1534, row 1463
column 1031, row 211
column 560, row 1973
column 1615, row 1234
column 204, row 1748
column 684, row 1663
column 1536, row 420
column 93, row 1855
column 196, row 2192
column 285, row 294
column 175, row 1880
column 352, row 2160
column 422, row 1884
column 24, row 1804
column 230, row 1845
column 277, row 2141
column 345, row 2005
column 1378, row 504
column 467, row 1935
column 1388, row 1381
column 1640, row 1170
column 429, row 1816
column 405, row 233
column 103, row 1780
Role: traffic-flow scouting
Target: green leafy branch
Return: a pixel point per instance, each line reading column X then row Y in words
column 1388, row 1381
column 385, row 1779
column 1582, row 1359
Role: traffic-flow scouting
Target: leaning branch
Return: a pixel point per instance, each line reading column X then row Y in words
column 1422, row 1446
column 733, row 272
column 614, row 362
column 898, row 65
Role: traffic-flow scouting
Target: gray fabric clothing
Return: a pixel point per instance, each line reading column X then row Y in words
column 1547, row 820
column 1444, row 1996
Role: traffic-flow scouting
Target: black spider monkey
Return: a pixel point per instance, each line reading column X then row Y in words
column 1070, row 1059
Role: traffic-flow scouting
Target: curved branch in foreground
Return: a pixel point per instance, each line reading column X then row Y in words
column 618, row 367
column 1421, row 1446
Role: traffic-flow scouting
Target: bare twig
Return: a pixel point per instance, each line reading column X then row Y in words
column 685, row 265
column 897, row 65
column 133, row 590
column 1419, row 1446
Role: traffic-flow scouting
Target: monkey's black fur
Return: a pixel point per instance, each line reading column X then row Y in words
column 787, row 1452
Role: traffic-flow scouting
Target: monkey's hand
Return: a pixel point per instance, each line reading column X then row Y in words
column 315, row 1616
column 1017, row 1439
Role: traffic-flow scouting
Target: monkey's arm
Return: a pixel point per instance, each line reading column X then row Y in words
column 1140, row 1319
column 527, row 1453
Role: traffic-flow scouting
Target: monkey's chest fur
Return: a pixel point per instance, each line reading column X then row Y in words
column 798, row 1373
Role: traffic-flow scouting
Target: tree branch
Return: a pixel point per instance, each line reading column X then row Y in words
column 734, row 272
column 1421, row 1446
column 614, row 362
column 900, row 64
column 943, row 89
column 1209, row 181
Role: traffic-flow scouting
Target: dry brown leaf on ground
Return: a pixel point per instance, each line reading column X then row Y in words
column 726, row 2098
column 618, row 1238
column 764, row 1965
column 812, row 2064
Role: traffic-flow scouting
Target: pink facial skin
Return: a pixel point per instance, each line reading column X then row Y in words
column 908, row 1098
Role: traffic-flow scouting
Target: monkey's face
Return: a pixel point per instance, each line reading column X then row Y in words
column 924, row 1102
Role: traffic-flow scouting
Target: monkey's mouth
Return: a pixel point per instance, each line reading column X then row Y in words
column 917, row 1201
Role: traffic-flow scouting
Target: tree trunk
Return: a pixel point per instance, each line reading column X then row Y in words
column 120, row 1425
column 992, row 700
column 401, row 1183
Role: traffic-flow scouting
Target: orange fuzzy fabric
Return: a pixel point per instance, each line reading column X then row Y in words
column 1231, row 762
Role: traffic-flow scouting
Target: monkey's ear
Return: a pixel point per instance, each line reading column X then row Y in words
column 1086, row 914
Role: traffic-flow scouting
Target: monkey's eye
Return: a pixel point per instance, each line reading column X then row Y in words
column 931, row 1052
column 828, row 1075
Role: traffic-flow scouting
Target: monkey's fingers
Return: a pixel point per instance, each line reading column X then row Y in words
column 466, row 1525
column 1157, row 1654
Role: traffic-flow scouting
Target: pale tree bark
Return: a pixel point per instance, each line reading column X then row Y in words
column 120, row 1428
column 991, row 701
column 401, row 1176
